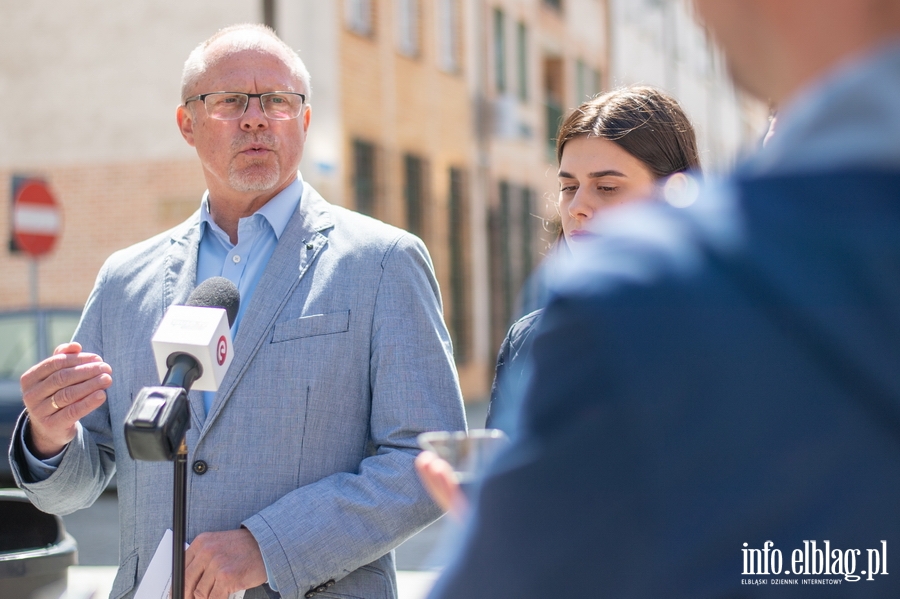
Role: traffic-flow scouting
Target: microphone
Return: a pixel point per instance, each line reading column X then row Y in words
column 192, row 345
column 192, row 349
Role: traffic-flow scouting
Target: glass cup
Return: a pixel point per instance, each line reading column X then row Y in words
column 468, row 453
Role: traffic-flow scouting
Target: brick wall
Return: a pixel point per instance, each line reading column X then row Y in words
column 105, row 207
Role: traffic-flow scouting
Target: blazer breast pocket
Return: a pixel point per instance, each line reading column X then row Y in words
column 312, row 326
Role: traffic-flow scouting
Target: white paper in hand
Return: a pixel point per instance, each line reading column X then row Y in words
column 157, row 581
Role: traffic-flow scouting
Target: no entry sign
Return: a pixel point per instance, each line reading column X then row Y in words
column 37, row 220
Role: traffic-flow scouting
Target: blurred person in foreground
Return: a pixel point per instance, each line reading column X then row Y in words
column 715, row 404
column 623, row 146
column 302, row 475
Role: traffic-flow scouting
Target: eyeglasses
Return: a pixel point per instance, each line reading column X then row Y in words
column 227, row 106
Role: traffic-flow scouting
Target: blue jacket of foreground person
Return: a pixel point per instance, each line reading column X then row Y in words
column 714, row 410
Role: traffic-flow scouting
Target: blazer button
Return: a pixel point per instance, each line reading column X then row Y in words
column 320, row 589
column 330, row 583
column 200, row 467
column 309, row 595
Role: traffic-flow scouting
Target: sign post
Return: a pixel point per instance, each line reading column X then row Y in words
column 37, row 223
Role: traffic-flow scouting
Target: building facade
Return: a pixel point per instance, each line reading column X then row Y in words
column 660, row 42
column 438, row 116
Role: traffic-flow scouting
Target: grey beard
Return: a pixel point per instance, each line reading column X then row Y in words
column 254, row 177
column 254, row 180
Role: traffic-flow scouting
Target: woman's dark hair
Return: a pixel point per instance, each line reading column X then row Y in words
column 643, row 121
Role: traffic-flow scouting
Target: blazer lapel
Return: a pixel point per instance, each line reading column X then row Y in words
column 180, row 279
column 297, row 248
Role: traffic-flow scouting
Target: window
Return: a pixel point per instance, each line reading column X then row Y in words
column 415, row 192
column 507, row 227
column 502, row 293
column 554, row 97
column 554, row 4
column 459, row 271
column 408, row 27
column 587, row 82
column 448, row 35
column 20, row 340
column 268, row 9
column 532, row 228
column 522, row 60
column 499, row 51
column 28, row 337
column 364, row 179
column 512, row 234
column 359, row 16
column 581, row 93
column 526, row 216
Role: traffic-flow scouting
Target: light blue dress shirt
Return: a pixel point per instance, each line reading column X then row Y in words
column 243, row 263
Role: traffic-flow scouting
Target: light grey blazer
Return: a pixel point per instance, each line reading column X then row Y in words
column 341, row 359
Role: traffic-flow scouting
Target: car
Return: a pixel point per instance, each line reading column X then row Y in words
column 26, row 337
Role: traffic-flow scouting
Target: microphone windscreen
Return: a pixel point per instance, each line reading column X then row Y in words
column 217, row 292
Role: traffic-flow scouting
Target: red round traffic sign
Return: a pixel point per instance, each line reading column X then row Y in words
column 37, row 219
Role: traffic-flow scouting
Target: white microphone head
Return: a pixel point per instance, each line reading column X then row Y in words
column 200, row 332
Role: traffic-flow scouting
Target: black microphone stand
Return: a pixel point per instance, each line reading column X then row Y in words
column 179, row 511
column 183, row 371
column 155, row 431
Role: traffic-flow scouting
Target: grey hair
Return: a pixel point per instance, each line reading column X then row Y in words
column 254, row 37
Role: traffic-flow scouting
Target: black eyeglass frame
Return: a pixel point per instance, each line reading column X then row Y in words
column 202, row 98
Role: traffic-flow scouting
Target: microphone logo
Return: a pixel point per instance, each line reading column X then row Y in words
column 222, row 350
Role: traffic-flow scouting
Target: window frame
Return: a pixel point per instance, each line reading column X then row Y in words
column 359, row 17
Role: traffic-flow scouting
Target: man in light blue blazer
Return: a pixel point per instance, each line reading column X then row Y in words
column 302, row 477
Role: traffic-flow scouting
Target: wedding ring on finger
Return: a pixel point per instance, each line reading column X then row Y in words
column 53, row 402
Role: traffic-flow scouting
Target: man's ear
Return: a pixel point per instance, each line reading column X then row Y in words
column 307, row 114
column 185, row 119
